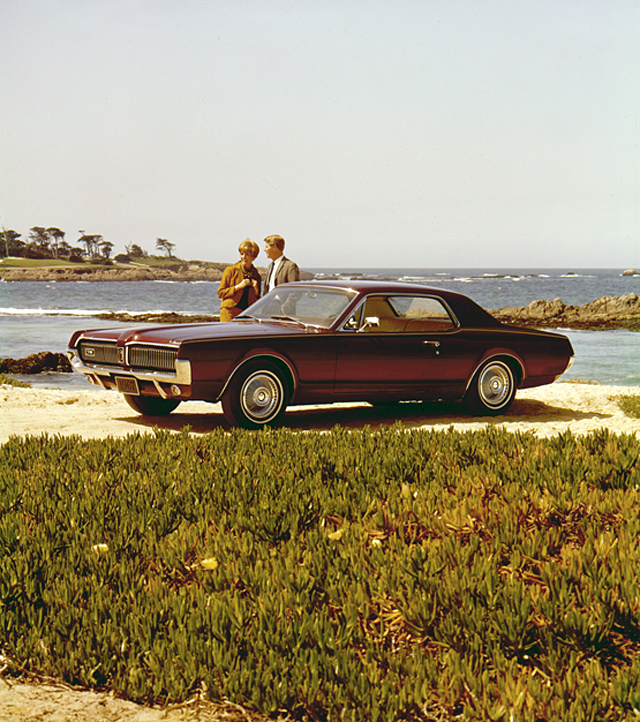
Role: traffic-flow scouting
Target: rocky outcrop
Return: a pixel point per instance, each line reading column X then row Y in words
column 196, row 271
column 37, row 363
column 607, row 312
column 162, row 317
column 186, row 272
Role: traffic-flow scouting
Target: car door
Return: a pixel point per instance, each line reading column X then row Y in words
column 402, row 346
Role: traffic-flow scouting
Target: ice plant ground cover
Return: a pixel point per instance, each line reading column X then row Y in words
column 630, row 404
column 358, row 575
column 4, row 379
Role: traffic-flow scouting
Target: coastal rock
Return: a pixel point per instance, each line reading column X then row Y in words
column 181, row 272
column 607, row 312
column 193, row 272
column 37, row 363
column 162, row 317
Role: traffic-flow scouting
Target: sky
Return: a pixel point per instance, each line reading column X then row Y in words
column 368, row 133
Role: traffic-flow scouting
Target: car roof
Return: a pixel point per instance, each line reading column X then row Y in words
column 374, row 286
column 465, row 308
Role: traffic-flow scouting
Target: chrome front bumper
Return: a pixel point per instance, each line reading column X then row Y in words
column 97, row 373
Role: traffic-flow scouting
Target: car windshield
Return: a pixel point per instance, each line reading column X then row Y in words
column 300, row 304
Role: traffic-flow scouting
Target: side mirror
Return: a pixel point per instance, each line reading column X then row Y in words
column 370, row 322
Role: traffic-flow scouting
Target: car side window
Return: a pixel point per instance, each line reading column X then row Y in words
column 374, row 307
column 421, row 314
column 401, row 314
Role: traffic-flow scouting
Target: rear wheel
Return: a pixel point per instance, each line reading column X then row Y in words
column 492, row 390
column 151, row 405
column 256, row 396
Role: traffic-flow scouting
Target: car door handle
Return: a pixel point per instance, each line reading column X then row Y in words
column 435, row 344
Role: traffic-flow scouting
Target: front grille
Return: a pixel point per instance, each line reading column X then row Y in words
column 94, row 352
column 152, row 357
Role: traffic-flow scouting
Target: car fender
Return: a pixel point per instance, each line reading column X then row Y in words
column 267, row 355
column 500, row 353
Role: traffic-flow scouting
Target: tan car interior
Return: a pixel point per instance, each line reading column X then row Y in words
column 389, row 322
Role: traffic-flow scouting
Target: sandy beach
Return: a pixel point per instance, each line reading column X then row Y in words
column 96, row 413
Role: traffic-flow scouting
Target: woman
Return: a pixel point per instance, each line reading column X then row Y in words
column 240, row 284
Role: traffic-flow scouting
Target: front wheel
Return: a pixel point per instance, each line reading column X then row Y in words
column 151, row 405
column 256, row 396
column 492, row 390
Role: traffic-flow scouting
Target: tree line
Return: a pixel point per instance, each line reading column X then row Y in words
column 51, row 243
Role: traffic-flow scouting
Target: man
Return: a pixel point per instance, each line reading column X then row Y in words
column 281, row 269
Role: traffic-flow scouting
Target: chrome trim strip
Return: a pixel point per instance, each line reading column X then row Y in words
column 167, row 345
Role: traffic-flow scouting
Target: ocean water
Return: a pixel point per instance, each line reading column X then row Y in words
column 41, row 316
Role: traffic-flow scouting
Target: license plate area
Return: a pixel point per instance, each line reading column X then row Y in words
column 127, row 385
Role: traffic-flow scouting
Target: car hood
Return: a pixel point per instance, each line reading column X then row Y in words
column 187, row 332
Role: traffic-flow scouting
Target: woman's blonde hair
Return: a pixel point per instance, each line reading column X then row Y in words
column 250, row 247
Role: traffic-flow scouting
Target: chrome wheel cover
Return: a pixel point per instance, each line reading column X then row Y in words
column 261, row 396
column 495, row 384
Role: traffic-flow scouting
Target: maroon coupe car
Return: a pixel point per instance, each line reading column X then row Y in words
column 322, row 342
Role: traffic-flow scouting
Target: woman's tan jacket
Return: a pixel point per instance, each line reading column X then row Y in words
column 231, row 277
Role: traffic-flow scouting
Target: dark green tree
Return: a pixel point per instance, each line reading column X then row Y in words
column 39, row 241
column 166, row 246
column 106, row 247
column 91, row 243
column 10, row 243
column 134, row 251
column 57, row 238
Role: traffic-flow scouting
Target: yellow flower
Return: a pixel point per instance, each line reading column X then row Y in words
column 211, row 563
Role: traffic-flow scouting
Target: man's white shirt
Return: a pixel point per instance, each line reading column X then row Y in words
column 272, row 277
